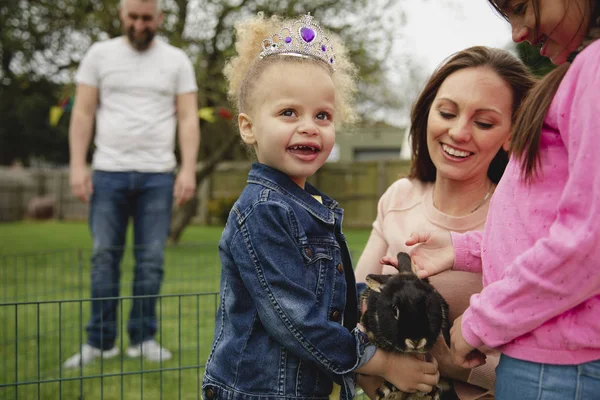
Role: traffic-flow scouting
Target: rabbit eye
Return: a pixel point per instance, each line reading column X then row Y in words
column 396, row 312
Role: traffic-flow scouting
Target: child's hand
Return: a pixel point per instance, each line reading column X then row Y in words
column 363, row 306
column 389, row 265
column 434, row 253
column 389, row 260
column 463, row 354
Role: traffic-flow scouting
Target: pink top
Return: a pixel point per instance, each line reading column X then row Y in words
column 540, row 253
column 405, row 207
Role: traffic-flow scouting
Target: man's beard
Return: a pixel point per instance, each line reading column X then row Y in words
column 140, row 43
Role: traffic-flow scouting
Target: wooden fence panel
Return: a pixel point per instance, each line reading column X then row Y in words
column 357, row 186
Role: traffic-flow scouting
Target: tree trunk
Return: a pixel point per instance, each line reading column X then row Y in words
column 183, row 215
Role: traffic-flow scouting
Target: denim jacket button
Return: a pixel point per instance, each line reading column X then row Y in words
column 308, row 252
column 340, row 268
column 210, row 394
column 336, row 316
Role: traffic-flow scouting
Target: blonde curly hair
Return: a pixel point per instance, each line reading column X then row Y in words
column 244, row 69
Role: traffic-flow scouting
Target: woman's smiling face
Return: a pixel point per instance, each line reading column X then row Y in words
column 469, row 121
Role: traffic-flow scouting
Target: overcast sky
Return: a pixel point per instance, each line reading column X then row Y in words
column 435, row 31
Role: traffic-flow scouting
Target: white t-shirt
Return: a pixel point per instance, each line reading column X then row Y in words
column 136, row 115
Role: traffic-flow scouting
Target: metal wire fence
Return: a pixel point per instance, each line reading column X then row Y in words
column 45, row 304
column 65, row 274
column 39, row 336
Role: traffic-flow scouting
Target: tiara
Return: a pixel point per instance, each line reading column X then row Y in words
column 304, row 38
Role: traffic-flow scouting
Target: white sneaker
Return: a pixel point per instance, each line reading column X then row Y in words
column 151, row 350
column 88, row 354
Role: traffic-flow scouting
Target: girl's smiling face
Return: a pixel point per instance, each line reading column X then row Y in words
column 291, row 124
column 561, row 24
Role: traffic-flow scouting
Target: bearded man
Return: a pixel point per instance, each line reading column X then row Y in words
column 139, row 91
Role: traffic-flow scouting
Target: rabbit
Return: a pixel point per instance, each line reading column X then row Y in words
column 405, row 314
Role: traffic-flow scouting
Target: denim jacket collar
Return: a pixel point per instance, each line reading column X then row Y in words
column 276, row 180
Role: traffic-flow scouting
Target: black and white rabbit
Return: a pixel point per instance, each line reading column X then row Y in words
column 405, row 314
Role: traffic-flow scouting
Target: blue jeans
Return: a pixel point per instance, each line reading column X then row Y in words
column 517, row 379
column 117, row 196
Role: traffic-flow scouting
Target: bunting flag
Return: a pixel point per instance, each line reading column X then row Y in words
column 225, row 113
column 67, row 103
column 206, row 113
column 56, row 112
column 209, row 115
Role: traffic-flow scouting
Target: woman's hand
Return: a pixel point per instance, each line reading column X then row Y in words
column 463, row 354
column 441, row 352
column 410, row 374
column 405, row 371
column 434, row 253
column 369, row 384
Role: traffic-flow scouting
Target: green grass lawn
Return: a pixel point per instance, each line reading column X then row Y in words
column 44, row 275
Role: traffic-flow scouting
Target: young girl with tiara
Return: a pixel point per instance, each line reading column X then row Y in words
column 286, row 324
column 540, row 251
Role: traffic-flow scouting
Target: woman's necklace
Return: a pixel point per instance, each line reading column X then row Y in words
column 485, row 198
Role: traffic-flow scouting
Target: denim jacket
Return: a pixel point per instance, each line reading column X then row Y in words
column 286, row 324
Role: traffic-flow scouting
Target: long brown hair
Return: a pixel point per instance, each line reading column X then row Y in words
column 525, row 142
column 508, row 67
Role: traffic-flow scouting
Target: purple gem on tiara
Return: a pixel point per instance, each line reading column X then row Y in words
column 323, row 48
column 307, row 34
column 331, row 60
column 288, row 39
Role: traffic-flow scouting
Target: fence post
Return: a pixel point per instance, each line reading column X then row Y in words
column 381, row 179
column 80, row 272
column 59, row 197
column 318, row 179
column 41, row 189
column 204, row 197
column 20, row 201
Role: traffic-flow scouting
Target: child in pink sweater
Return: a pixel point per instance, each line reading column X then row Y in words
column 540, row 251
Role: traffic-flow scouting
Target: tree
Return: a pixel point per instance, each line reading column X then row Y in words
column 24, row 132
column 43, row 41
column 29, row 53
column 212, row 43
column 530, row 55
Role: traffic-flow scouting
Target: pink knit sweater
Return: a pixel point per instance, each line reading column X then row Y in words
column 540, row 253
column 405, row 207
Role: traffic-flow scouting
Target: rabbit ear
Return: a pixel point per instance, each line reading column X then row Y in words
column 377, row 282
column 437, row 310
column 404, row 262
column 433, row 304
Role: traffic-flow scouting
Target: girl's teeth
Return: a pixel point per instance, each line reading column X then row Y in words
column 306, row 148
column 454, row 152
